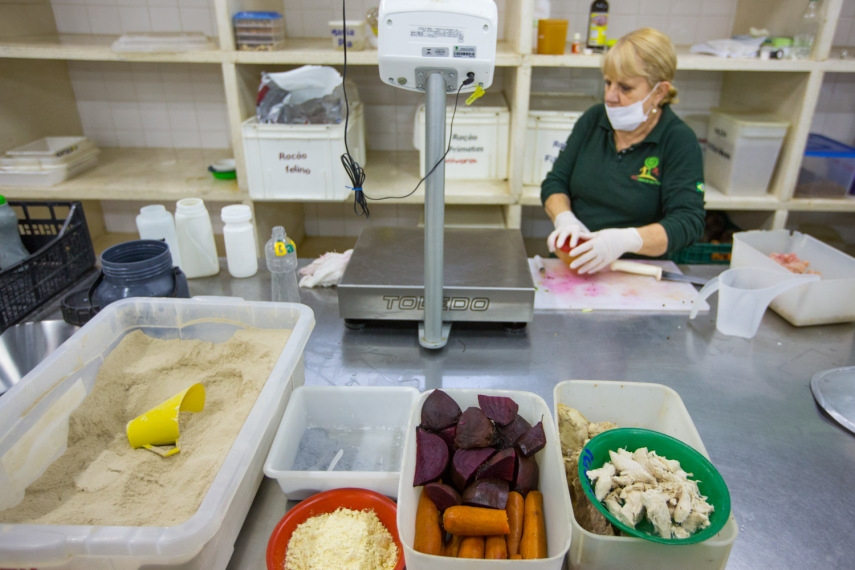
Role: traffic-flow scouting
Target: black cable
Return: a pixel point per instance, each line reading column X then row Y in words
column 351, row 167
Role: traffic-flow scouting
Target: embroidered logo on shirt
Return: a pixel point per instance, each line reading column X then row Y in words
column 649, row 171
column 701, row 187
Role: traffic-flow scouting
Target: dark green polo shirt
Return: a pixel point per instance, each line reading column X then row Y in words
column 660, row 179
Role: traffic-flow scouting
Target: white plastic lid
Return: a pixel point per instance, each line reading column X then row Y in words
column 235, row 214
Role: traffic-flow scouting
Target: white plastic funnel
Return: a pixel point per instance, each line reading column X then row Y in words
column 744, row 294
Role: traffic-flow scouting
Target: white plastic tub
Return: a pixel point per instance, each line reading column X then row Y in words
column 302, row 162
column 553, row 485
column 551, row 118
column 34, row 427
column 742, row 150
column 479, row 139
column 650, row 406
column 829, row 300
column 371, row 418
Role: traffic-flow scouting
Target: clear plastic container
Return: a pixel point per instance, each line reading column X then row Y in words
column 259, row 31
column 371, row 420
column 34, row 426
column 156, row 222
column 355, row 34
column 12, row 249
column 828, row 169
column 281, row 256
column 650, row 406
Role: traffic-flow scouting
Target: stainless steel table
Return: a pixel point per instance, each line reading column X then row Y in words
column 789, row 467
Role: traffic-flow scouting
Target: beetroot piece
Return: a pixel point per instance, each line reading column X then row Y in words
column 500, row 409
column 474, row 429
column 506, row 436
column 448, row 435
column 488, row 493
column 500, row 466
column 527, row 475
column 439, row 411
column 533, row 440
column 466, row 462
column 442, row 495
column 431, row 457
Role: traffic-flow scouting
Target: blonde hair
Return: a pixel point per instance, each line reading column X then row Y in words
column 646, row 53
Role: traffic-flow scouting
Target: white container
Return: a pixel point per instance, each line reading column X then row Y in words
column 355, row 34
column 372, row 419
column 302, row 162
column 829, row 300
column 700, row 124
column 156, row 222
column 551, row 119
column 553, row 485
column 742, row 150
column 650, row 406
column 195, row 239
column 34, row 414
column 239, row 236
column 24, row 173
column 479, row 141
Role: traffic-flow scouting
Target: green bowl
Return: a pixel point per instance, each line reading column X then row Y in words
column 710, row 483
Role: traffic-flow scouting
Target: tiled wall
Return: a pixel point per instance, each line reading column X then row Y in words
column 151, row 104
column 845, row 33
column 120, row 16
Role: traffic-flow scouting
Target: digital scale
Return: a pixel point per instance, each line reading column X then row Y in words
column 437, row 276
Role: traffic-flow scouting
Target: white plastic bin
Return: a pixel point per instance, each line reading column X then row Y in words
column 829, row 300
column 302, row 162
column 700, row 124
column 372, row 419
column 742, row 150
column 479, row 141
column 550, row 120
column 553, row 485
column 34, row 414
column 650, row 406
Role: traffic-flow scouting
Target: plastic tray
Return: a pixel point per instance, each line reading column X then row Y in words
column 553, row 484
column 651, row 406
column 34, row 414
column 829, row 300
column 27, row 175
column 374, row 416
column 57, row 237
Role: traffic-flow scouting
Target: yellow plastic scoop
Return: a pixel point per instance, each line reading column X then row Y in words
column 159, row 425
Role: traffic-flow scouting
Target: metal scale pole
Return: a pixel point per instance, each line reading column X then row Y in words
column 433, row 333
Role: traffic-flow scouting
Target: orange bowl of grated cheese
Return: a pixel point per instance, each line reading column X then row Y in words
column 330, row 517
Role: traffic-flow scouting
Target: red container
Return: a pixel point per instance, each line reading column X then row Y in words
column 328, row 502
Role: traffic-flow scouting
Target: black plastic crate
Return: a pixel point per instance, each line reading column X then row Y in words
column 57, row 237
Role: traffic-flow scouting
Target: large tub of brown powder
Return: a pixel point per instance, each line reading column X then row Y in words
column 73, row 494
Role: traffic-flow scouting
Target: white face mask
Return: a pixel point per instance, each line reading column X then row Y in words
column 629, row 117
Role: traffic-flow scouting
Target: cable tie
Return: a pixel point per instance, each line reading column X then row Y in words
column 354, row 189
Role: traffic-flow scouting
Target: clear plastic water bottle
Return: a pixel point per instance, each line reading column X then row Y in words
column 281, row 255
column 12, row 250
column 806, row 31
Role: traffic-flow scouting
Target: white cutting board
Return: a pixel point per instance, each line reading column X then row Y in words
column 560, row 288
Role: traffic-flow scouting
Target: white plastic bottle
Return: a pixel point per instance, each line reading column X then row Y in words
column 239, row 236
column 195, row 239
column 12, row 250
column 156, row 222
column 281, row 258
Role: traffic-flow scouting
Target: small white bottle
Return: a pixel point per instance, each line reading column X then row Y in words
column 281, row 258
column 195, row 239
column 12, row 249
column 156, row 222
column 239, row 236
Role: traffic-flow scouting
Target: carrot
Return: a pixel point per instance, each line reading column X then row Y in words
column 496, row 548
column 515, row 508
column 533, row 542
column 452, row 546
column 428, row 538
column 475, row 521
column 471, row 547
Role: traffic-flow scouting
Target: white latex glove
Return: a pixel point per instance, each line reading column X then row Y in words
column 567, row 225
column 604, row 247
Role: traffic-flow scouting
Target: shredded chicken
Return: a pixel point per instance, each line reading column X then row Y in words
column 792, row 262
column 643, row 484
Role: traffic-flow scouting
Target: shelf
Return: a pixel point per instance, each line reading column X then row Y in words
column 822, row 204
column 686, row 61
column 834, row 64
column 96, row 48
column 142, row 174
column 297, row 51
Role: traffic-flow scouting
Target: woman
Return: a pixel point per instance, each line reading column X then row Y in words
column 630, row 179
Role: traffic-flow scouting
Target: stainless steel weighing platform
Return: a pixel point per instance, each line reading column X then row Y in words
column 486, row 277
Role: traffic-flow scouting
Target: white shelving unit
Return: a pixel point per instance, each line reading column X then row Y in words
column 37, row 99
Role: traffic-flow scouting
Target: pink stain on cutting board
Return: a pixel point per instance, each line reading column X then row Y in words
column 560, row 288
